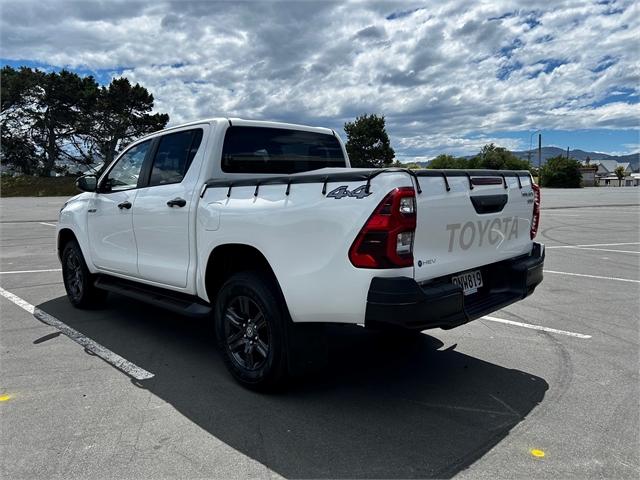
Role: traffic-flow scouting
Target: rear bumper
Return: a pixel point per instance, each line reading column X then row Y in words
column 401, row 302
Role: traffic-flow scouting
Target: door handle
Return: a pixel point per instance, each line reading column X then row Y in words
column 126, row 205
column 177, row 202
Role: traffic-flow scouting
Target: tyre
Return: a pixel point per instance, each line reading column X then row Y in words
column 78, row 281
column 250, row 327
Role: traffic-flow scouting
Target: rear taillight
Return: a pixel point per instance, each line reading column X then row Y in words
column 386, row 240
column 535, row 221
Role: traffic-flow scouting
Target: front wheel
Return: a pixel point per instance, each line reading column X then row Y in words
column 250, row 328
column 78, row 281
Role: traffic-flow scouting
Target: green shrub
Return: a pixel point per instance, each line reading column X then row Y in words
column 561, row 172
column 28, row 186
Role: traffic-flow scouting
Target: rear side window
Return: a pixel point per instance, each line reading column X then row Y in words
column 278, row 150
column 174, row 156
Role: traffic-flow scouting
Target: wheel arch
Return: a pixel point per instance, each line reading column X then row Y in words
column 227, row 259
column 65, row 235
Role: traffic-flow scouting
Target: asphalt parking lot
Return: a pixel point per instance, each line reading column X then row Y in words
column 554, row 375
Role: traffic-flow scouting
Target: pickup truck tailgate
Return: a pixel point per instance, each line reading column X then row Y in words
column 480, row 220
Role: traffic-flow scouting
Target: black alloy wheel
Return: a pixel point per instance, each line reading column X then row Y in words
column 250, row 324
column 78, row 281
column 246, row 332
column 73, row 276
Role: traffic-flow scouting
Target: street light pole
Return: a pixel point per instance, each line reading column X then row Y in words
column 539, row 154
column 531, row 143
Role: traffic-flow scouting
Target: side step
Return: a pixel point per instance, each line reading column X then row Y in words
column 181, row 303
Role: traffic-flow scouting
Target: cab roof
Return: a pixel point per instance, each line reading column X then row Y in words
column 232, row 121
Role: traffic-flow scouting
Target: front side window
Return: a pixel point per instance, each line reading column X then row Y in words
column 125, row 173
column 173, row 157
column 278, row 150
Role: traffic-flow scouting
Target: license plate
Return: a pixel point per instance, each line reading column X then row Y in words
column 469, row 281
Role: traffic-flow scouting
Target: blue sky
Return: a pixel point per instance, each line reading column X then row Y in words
column 448, row 76
column 102, row 75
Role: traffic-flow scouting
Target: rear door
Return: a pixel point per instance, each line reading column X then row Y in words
column 465, row 228
column 162, row 209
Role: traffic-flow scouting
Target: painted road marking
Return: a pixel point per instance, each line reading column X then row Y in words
column 604, row 250
column 595, row 245
column 31, row 271
column 22, row 222
column 608, row 250
column 49, row 224
column 546, row 214
column 611, row 205
column 537, row 452
column 107, row 355
column 599, row 277
column 536, row 327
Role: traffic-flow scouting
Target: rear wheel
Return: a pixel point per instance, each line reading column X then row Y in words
column 250, row 326
column 78, row 281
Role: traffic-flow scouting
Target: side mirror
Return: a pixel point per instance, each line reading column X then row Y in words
column 87, row 183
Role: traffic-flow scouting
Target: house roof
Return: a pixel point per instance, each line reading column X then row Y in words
column 609, row 166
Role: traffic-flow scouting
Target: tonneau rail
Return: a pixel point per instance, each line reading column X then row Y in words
column 350, row 176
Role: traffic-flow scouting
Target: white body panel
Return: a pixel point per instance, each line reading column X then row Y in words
column 451, row 236
column 305, row 236
column 165, row 235
column 162, row 234
column 111, row 239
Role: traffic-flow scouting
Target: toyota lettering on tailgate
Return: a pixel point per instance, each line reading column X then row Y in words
column 476, row 233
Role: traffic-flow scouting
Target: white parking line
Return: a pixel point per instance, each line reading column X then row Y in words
column 604, row 250
column 608, row 250
column 49, row 224
column 536, row 327
column 113, row 358
column 595, row 245
column 31, row 271
column 21, row 222
column 559, row 214
column 592, row 276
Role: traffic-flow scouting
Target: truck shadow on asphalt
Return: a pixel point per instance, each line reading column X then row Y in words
column 380, row 409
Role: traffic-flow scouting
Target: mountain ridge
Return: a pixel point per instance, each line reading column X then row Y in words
column 580, row 155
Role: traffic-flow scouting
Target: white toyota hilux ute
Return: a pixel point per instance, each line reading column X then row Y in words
column 264, row 228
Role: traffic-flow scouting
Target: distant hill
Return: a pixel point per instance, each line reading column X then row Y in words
column 581, row 155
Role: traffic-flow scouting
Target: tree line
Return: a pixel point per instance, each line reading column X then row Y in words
column 49, row 120
column 368, row 146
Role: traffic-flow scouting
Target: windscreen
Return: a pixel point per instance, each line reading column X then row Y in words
column 278, row 150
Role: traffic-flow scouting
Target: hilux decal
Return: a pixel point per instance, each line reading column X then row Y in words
column 343, row 191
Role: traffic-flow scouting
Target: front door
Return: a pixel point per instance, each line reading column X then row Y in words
column 110, row 220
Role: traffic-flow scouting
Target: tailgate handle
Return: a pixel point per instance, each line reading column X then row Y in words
column 489, row 203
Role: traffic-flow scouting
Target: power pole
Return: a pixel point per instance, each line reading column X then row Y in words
column 567, row 153
column 539, row 153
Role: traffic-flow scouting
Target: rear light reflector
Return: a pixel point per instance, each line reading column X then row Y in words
column 386, row 240
column 404, row 243
column 407, row 205
column 535, row 221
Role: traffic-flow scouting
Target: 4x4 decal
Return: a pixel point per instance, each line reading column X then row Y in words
column 343, row 191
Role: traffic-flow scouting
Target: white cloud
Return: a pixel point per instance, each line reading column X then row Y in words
column 442, row 73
